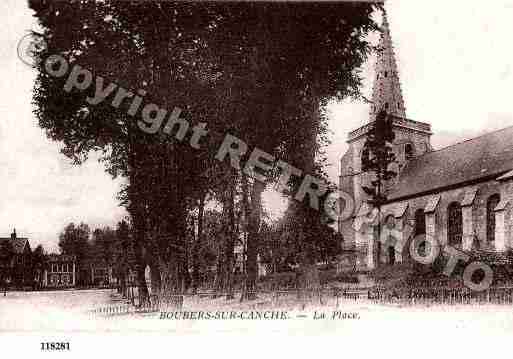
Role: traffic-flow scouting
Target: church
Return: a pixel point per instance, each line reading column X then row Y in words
column 460, row 195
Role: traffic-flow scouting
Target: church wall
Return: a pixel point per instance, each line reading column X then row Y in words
column 509, row 226
column 346, row 229
column 409, row 219
column 478, row 219
column 347, row 168
column 476, row 224
column 358, row 180
column 420, row 142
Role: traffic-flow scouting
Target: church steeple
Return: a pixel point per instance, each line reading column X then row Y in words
column 386, row 91
column 412, row 139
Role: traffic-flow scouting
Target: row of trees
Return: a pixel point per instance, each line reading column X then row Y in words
column 102, row 247
column 263, row 72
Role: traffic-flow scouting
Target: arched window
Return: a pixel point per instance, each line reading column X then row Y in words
column 420, row 222
column 365, row 157
column 391, row 255
column 386, row 73
column 454, row 224
column 390, row 221
column 491, row 203
column 408, row 151
column 390, row 224
column 386, row 105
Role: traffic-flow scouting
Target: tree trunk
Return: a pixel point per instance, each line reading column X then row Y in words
column 155, row 279
column 309, row 274
column 173, row 257
column 140, row 265
column 229, row 207
column 249, row 292
column 122, row 283
column 220, row 271
column 197, row 247
column 170, row 290
column 247, row 213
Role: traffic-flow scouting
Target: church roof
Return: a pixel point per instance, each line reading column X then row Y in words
column 18, row 244
column 486, row 156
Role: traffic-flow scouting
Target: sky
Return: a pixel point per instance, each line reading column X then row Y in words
column 455, row 65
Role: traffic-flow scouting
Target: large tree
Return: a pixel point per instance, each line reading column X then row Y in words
column 74, row 240
column 378, row 156
column 123, row 43
column 39, row 264
column 123, row 255
column 104, row 242
column 260, row 71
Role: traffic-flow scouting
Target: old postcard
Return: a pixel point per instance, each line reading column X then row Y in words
column 339, row 171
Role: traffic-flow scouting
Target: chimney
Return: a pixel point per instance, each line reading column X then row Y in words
column 13, row 234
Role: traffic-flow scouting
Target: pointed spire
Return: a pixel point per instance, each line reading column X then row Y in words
column 386, row 91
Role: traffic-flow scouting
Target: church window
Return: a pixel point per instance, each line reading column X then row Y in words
column 386, row 73
column 386, row 105
column 390, row 221
column 365, row 156
column 491, row 203
column 398, row 105
column 454, row 224
column 390, row 224
column 420, row 229
column 408, row 151
column 420, row 222
column 391, row 255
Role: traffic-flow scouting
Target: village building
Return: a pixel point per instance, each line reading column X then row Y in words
column 101, row 274
column 61, row 271
column 460, row 195
column 16, row 266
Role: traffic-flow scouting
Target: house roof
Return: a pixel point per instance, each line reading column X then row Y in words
column 18, row 244
column 486, row 156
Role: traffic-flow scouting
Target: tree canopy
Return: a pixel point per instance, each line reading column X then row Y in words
column 263, row 72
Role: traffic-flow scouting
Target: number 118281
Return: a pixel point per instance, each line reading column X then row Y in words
column 53, row 346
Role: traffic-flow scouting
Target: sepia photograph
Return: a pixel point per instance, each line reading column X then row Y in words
column 175, row 170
